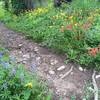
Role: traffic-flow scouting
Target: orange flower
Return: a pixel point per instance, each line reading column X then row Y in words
column 86, row 25
column 93, row 51
column 69, row 27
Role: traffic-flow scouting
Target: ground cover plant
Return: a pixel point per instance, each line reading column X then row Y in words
column 18, row 84
column 72, row 29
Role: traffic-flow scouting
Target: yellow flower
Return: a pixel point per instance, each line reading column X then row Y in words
column 90, row 18
column 50, row 26
column 70, row 17
column 29, row 85
column 62, row 14
column 76, row 24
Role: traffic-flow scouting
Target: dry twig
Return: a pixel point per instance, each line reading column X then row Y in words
column 67, row 73
column 95, row 86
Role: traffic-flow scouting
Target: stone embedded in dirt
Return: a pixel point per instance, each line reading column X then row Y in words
column 27, row 56
column 81, row 69
column 20, row 60
column 20, row 45
column 38, row 58
column 72, row 73
column 51, row 72
column 61, row 75
column 61, row 68
column 85, row 70
column 97, row 76
column 53, row 62
column 36, row 49
column 24, row 62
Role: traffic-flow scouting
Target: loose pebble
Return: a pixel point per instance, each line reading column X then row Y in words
column 26, row 56
column 97, row 76
column 36, row 49
column 20, row 45
column 85, row 70
column 81, row 69
column 51, row 72
column 53, row 62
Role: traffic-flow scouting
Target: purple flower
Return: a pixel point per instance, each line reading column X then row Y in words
column 13, row 71
column 33, row 66
column 5, row 64
column 1, row 54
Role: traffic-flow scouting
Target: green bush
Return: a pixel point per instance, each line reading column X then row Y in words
column 18, row 84
column 72, row 29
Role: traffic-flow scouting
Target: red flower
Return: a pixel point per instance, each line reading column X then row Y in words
column 69, row 27
column 93, row 51
column 86, row 25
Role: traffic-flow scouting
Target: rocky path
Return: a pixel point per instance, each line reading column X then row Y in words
column 64, row 79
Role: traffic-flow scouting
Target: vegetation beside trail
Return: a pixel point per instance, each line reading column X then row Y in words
column 18, row 84
column 72, row 29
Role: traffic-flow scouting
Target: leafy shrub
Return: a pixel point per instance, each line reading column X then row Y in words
column 18, row 84
column 73, row 30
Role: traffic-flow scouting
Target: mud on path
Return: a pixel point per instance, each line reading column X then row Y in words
column 48, row 65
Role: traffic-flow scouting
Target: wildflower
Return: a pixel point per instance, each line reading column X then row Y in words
column 5, row 64
column 62, row 14
column 76, row 24
column 1, row 54
column 69, row 27
column 33, row 66
column 86, row 25
column 70, row 17
column 62, row 28
column 29, row 85
column 90, row 18
column 13, row 72
column 93, row 51
column 50, row 26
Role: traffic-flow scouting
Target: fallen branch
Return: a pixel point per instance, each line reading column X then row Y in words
column 95, row 86
column 67, row 73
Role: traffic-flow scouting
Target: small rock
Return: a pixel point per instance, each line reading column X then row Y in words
column 20, row 52
column 26, row 56
column 24, row 62
column 61, row 75
column 81, row 69
column 51, row 72
column 85, row 70
column 72, row 73
column 38, row 60
column 36, row 49
column 20, row 45
column 97, row 76
column 19, row 60
column 53, row 62
column 61, row 68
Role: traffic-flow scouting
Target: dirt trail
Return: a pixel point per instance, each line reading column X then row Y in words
column 48, row 65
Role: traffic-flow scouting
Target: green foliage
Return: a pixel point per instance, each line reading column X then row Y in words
column 72, row 29
column 18, row 84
